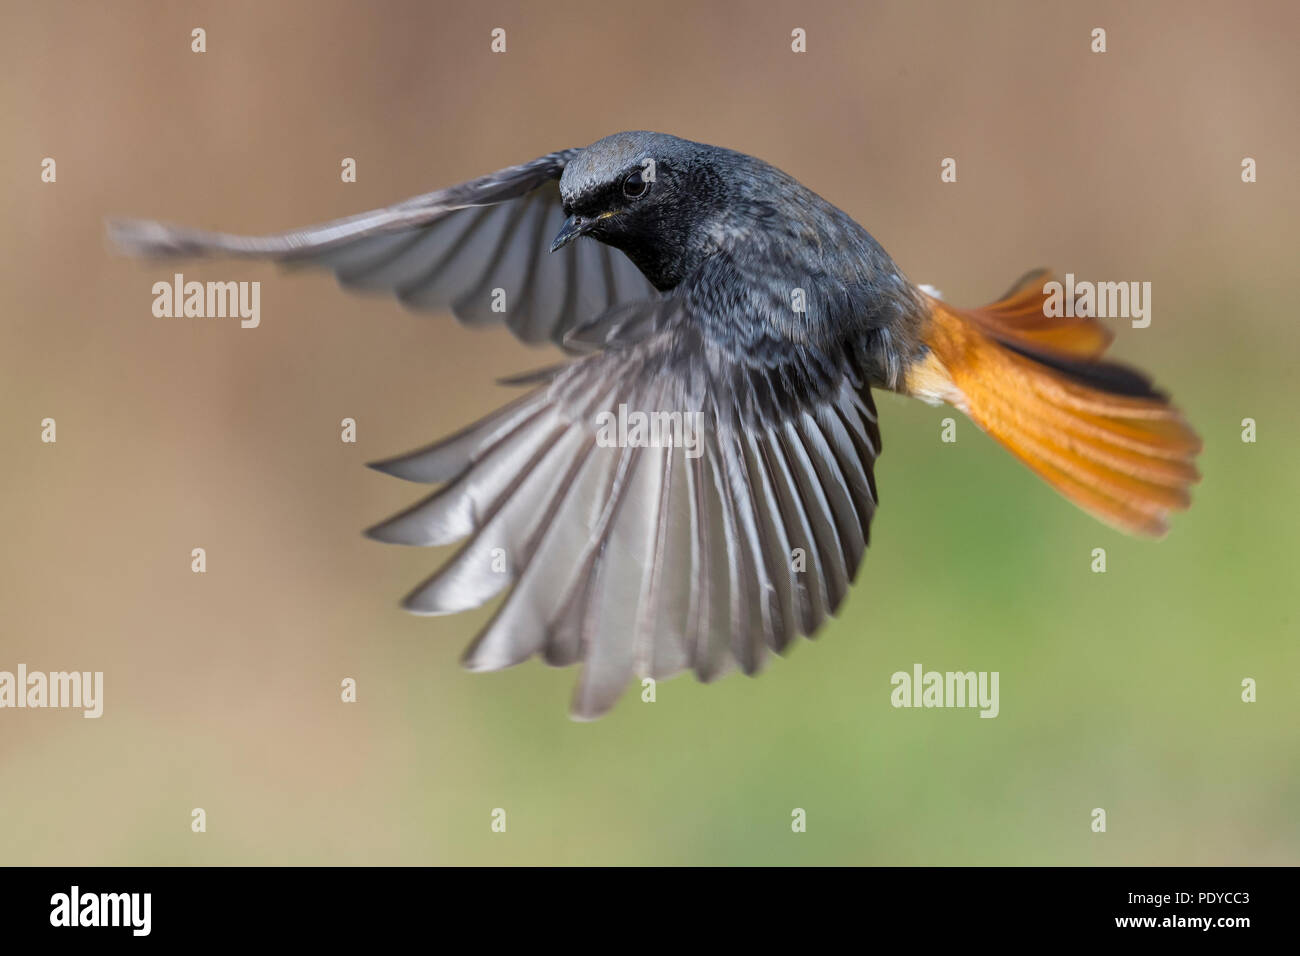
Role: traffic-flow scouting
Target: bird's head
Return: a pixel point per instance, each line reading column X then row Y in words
column 659, row 199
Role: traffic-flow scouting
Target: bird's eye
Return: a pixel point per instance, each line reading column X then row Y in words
column 634, row 186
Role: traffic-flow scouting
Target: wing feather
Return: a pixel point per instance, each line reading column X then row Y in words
column 650, row 557
column 450, row 249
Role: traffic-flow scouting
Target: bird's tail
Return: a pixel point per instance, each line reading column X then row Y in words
column 1096, row 431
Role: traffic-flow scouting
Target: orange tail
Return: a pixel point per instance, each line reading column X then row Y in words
column 1096, row 431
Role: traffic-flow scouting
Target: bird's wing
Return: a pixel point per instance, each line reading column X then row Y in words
column 735, row 531
column 480, row 248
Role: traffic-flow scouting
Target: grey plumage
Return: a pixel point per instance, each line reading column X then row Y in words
column 445, row 250
column 726, row 289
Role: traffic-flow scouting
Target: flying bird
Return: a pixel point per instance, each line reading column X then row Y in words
column 682, row 279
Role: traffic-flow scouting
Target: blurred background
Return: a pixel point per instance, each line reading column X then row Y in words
column 1118, row 690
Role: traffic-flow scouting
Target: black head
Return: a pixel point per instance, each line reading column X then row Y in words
column 660, row 199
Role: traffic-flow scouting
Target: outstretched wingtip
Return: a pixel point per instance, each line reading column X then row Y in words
column 145, row 238
column 388, row 466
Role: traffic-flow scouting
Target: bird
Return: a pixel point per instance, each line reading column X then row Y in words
column 688, row 283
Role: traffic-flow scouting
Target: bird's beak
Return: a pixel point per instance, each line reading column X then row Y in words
column 573, row 227
column 576, row 226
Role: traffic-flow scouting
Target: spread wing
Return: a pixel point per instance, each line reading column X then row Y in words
column 480, row 249
column 738, row 527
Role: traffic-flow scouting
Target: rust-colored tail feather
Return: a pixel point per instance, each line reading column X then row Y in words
column 1096, row 431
